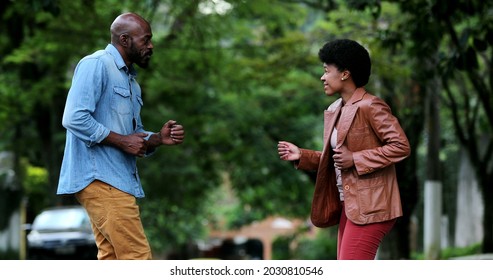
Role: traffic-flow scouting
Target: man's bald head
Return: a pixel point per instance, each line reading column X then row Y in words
column 128, row 23
column 131, row 35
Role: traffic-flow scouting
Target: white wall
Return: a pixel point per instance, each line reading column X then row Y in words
column 10, row 237
column 469, row 220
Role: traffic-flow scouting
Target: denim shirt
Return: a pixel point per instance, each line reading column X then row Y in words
column 104, row 97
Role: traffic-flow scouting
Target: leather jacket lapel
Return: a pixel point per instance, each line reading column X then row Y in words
column 330, row 117
column 345, row 120
column 347, row 115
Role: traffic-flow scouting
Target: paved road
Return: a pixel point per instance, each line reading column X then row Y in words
column 476, row 257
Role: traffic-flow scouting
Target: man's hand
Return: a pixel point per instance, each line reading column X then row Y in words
column 172, row 133
column 134, row 144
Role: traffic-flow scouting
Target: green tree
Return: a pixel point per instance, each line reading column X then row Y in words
column 462, row 32
column 215, row 76
column 393, row 80
column 240, row 75
column 450, row 41
column 235, row 80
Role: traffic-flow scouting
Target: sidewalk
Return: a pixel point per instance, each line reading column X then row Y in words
column 475, row 257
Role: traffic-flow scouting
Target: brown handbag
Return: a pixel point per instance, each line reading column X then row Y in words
column 326, row 206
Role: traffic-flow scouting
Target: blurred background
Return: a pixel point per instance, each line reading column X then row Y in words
column 240, row 76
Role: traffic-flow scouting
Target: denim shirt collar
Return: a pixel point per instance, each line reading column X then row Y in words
column 120, row 63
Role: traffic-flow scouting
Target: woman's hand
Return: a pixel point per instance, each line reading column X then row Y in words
column 288, row 151
column 343, row 158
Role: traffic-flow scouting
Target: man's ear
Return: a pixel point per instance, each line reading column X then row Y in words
column 124, row 38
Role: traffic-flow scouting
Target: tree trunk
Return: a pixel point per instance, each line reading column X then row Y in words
column 433, row 185
column 470, row 210
column 487, row 189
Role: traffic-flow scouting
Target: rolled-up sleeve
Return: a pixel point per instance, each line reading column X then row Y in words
column 81, row 102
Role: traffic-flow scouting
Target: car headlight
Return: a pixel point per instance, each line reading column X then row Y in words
column 34, row 239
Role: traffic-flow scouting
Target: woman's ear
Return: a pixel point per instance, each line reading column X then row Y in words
column 345, row 75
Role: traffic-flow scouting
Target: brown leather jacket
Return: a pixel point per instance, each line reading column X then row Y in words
column 371, row 192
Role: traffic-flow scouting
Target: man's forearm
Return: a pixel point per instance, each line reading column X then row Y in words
column 113, row 139
column 154, row 142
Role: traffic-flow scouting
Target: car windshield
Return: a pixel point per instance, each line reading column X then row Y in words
column 60, row 219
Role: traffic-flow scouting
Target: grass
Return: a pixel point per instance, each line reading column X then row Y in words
column 453, row 252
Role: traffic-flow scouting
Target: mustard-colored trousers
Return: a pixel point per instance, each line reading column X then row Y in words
column 115, row 220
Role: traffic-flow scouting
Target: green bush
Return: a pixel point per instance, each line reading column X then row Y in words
column 280, row 248
column 453, row 252
column 323, row 247
column 9, row 255
column 302, row 246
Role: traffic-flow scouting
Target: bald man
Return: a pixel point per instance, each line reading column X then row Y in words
column 105, row 135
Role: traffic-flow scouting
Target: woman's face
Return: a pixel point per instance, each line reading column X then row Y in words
column 333, row 79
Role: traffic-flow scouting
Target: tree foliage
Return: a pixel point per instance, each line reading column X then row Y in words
column 460, row 33
column 239, row 75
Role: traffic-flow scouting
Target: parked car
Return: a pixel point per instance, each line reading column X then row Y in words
column 61, row 233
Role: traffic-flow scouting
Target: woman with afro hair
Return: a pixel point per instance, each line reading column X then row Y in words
column 356, row 184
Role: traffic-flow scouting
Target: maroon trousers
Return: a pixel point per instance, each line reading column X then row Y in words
column 360, row 242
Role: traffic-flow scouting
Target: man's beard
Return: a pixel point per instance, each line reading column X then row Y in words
column 140, row 58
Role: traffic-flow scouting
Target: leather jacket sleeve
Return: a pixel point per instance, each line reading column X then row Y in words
column 388, row 145
column 309, row 160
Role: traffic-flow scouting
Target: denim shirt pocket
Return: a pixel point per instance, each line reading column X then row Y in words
column 121, row 101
